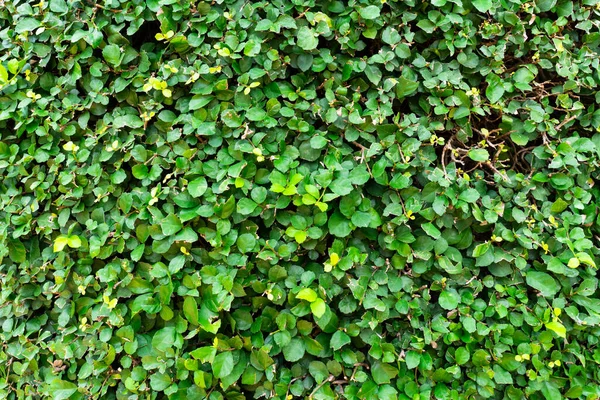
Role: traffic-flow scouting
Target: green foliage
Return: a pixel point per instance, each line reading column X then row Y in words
column 299, row 199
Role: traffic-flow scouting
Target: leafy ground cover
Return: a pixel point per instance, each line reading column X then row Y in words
column 299, row 199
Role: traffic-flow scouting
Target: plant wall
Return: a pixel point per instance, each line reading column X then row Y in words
column 299, row 199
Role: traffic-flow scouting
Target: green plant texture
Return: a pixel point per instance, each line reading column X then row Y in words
column 299, row 199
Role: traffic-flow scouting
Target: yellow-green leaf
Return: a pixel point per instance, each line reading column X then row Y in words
column 60, row 243
column 318, row 308
column 307, row 294
column 557, row 328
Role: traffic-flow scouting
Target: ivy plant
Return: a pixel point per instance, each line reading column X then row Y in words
column 231, row 199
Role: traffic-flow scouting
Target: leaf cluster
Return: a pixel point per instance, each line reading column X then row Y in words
column 310, row 199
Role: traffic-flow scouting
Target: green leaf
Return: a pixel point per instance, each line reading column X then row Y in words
column 545, row 5
column 112, row 54
column 74, row 241
column 373, row 73
column 462, row 356
column 518, row 215
column 559, row 206
column 307, row 39
column 139, row 153
column 58, row 6
column 17, row 251
column 259, row 194
column 588, row 287
column 341, row 186
column 14, row 65
column 479, row 155
column 338, row 225
column 130, row 120
column 3, row 74
column 519, row 138
column 198, row 187
column 586, row 259
column 305, row 61
column 164, row 339
column 361, row 219
column 318, row 308
column 294, row 350
column 370, row 12
column 449, row 299
column 391, row 36
column 318, row 142
column 318, row 370
column 405, row 87
column 413, row 359
column 160, row 381
column 495, row 89
column 205, row 354
column 400, row 181
column 190, row 310
column 481, row 249
column 307, row 294
column 246, row 206
column 574, row 392
column 171, row 225
column 62, row 390
column 239, row 368
column 199, row 101
column 557, row 328
column 482, row 6
column 252, row 48
column 561, row 181
column 470, row 195
column 321, row 206
column 461, row 112
column 27, row 25
column 246, row 242
column 60, row 243
column 368, row 390
column 383, row 373
column 448, row 266
column 501, row 376
column 140, row 171
column 339, row 339
column 550, row 391
column 231, row 119
column 427, row 25
column 542, row 282
column 523, row 76
column 223, row 364
column 431, row 230
column 256, row 114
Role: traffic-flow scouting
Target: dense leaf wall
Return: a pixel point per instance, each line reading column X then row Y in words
column 299, row 199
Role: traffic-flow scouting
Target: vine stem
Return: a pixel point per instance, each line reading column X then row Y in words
column 565, row 121
column 320, row 385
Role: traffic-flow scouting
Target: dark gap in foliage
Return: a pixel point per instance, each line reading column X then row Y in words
column 372, row 47
column 550, row 16
column 113, row 103
column 435, row 295
column 401, row 106
column 545, row 77
column 587, row 99
column 7, row 126
column 422, row 42
column 97, row 53
column 145, row 34
column 512, row 63
column 330, row 44
column 320, row 90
